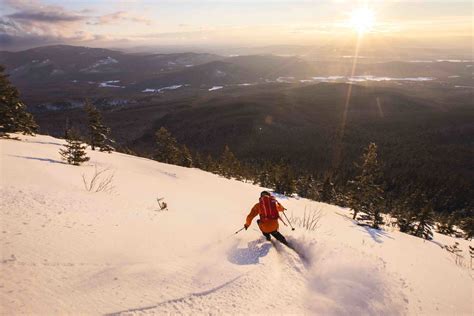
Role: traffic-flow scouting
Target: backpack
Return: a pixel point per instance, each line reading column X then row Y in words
column 268, row 208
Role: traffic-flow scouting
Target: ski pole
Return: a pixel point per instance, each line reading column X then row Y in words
column 281, row 219
column 292, row 228
column 239, row 230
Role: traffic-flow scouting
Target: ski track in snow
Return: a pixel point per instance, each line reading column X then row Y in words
column 68, row 251
column 263, row 289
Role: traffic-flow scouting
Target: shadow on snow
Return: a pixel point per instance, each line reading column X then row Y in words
column 250, row 255
column 40, row 159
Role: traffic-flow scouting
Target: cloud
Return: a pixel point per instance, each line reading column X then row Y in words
column 33, row 23
column 120, row 16
column 32, row 18
column 45, row 16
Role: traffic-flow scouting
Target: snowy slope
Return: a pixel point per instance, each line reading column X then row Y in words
column 66, row 250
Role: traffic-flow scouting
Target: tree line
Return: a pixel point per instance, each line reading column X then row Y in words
column 364, row 194
column 367, row 194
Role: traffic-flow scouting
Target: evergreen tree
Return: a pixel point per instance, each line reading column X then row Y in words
column 13, row 115
column 467, row 225
column 209, row 164
column 167, row 149
column 264, row 175
column 425, row 220
column 98, row 132
column 283, row 179
column 366, row 192
column 446, row 225
column 229, row 165
column 305, row 186
column 186, row 159
column 327, row 191
column 405, row 216
column 198, row 161
column 74, row 151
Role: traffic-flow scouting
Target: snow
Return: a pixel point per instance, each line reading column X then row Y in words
column 65, row 250
column 105, row 61
column 173, row 87
column 369, row 78
column 376, row 78
column 216, row 88
column 220, row 73
column 246, row 84
column 108, row 84
column 453, row 60
column 285, row 79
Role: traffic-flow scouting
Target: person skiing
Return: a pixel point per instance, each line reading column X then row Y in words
column 268, row 208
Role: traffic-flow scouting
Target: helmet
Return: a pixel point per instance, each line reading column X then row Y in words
column 265, row 193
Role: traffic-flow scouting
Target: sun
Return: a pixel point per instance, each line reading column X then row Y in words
column 362, row 20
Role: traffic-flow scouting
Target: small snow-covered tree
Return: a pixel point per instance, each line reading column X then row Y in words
column 13, row 115
column 366, row 193
column 74, row 151
column 98, row 132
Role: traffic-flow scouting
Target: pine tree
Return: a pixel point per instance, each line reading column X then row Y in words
column 283, row 179
column 186, row 159
column 74, row 151
column 305, row 186
column 167, row 148
column 467, row 225
column 264, row 175
column 209, row 164
column 425, row 220
column 13, row 115
column 405, row 216
column 98, row 132
column 327, row 191
column 446, row 225
column 366, row 192
column 198, row 161
column 229, row 165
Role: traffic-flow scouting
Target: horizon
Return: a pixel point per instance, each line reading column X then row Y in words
column 210, row 25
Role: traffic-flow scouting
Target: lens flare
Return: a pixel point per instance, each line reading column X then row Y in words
column 362, row 20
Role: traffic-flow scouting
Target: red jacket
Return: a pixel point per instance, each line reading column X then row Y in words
column 266, row 226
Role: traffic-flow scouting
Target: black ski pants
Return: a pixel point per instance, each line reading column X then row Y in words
column 278, row 236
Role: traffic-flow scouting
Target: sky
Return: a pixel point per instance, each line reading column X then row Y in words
column 109, row 23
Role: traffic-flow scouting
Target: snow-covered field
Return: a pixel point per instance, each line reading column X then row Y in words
column 65, row 250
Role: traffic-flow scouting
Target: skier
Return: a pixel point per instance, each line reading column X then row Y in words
column 268, row 208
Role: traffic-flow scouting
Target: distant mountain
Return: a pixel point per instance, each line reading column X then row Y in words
column 67, row 74
column 60, row 62
column 235, row 70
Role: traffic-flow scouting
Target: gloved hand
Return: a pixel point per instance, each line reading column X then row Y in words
column 246, row 226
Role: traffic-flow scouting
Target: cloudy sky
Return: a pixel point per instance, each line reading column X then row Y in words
column 29, row 23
